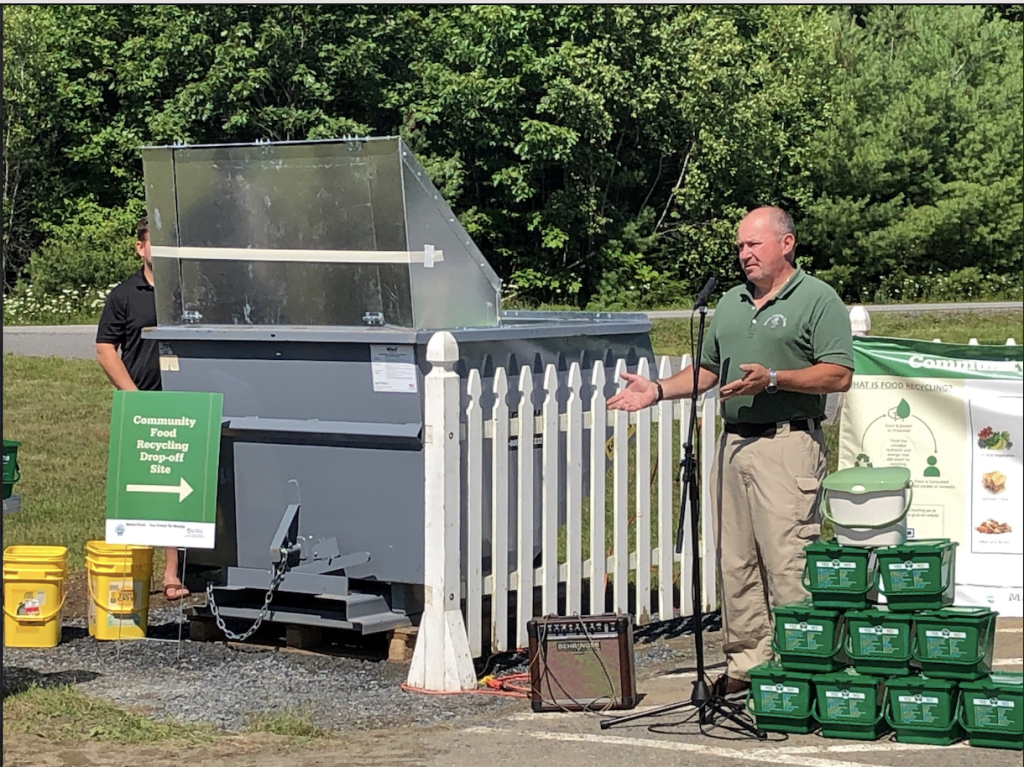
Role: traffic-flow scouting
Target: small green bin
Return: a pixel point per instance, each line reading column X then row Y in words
column 850, row 705
column 917, row 575
column 990, row 710
column 879, row 641
column 923, row 710
column 807, row 638
column 839, row 576
column 12, row 472
column 780, row 700
column 954, row 642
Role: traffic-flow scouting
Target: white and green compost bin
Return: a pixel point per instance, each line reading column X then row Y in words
column 868, row 506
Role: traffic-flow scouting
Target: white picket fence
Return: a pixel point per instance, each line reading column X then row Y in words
column 641, row 576
column 467, row 526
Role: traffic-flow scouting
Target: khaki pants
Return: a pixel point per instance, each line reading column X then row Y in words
column 764, row 503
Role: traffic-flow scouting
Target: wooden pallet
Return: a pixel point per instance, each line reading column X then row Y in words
column 396, row 645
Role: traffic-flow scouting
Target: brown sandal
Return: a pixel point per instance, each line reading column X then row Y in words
column 180, row 592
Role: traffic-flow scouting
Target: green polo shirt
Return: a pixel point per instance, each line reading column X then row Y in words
column 805, row 323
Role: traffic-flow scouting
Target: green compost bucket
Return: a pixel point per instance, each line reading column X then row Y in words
column 807, row 638
column 879, row 641
column 954, row 642
column 12, row 472
column 839, row 576
column 990, row 710
column 917, row 575
column 923, row 710
column 850, row 705
column 780, row 700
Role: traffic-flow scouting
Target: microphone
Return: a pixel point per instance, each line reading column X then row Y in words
column 705, row 293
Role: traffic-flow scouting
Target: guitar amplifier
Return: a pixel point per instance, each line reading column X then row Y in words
column 583, row 663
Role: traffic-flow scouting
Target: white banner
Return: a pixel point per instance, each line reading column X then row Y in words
column 954, row 416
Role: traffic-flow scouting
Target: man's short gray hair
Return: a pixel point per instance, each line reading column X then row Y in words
column 783, row 224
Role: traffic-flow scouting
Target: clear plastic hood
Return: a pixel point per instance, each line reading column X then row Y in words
column 315, row 233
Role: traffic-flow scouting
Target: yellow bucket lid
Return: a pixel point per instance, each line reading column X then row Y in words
column 102, row 548
column 36, row 552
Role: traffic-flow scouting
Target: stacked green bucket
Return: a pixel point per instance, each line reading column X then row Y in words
column 12, row 472
column 855, row 668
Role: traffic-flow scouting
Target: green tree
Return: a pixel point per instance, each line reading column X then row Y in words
column 919, row 171
column 30, row 55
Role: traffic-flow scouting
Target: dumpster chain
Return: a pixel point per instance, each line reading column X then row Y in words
column 277, row 575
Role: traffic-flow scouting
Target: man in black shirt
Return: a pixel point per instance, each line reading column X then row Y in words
column 130, row 307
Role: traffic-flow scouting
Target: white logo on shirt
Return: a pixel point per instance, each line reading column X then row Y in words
column 775, row 321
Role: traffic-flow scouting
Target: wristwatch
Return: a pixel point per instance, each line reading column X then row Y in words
column 773, row 381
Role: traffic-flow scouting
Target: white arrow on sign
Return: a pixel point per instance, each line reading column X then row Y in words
column 183, row 489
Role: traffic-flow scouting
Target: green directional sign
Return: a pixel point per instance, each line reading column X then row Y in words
column 162, row 468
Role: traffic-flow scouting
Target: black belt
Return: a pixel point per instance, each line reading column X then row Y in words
column 751, row 430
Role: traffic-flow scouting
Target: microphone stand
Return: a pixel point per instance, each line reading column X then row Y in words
column 711, row 708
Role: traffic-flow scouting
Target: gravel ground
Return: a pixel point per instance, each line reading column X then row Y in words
column 211, row 682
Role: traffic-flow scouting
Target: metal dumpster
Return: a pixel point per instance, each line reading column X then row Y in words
column 303, row 280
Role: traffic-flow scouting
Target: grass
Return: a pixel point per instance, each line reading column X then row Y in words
column 60, row 412
column 290, row 723
column 64, row 713
column 673, row 336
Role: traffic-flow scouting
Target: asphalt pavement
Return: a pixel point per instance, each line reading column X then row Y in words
column 78, row 341
column 674, row 738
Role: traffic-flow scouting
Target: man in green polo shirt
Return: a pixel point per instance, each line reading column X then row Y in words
column 777, row 345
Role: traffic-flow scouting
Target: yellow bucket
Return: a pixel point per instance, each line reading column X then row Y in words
column 118, row 582
column 34, row 595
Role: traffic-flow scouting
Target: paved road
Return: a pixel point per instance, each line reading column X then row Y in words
column 70, row 341
column 77, row 341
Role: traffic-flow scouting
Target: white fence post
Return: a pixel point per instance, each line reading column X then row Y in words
column 860, row 325
column 666, row 505
column 574, row 493
column 642, row 514
column 860, row 321
column 599, row 422
column 620, row 500
column 442, row 660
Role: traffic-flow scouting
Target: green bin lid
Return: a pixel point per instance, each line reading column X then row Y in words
column 953, row 613
column 867, row 479
column 919, row 682
column 846, row 675
column 878, row 613
column 774, row 669
column 806, row 607
column 11, row 443
column 834, row 550
column 1011, row 681
column 917, row 546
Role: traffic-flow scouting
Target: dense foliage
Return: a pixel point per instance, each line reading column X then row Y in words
column 599, row 155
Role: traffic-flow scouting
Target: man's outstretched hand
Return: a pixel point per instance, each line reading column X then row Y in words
column 754, row 381
column 638, row 394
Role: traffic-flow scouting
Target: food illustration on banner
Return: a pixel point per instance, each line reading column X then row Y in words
column 991, row 527
column 988, row 439
column 994, row 482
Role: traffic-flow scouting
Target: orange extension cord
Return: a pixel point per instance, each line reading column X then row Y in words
column 504, row 686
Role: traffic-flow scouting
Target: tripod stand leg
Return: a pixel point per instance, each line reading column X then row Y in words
column 608, row 723
column 726, row 709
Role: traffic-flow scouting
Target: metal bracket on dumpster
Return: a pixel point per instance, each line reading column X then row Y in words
column 286, row 542
column 316, row 559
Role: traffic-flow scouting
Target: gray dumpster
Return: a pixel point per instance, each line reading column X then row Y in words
column 303, row 280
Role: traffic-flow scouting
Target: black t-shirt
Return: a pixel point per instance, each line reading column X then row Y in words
column 130, row 307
